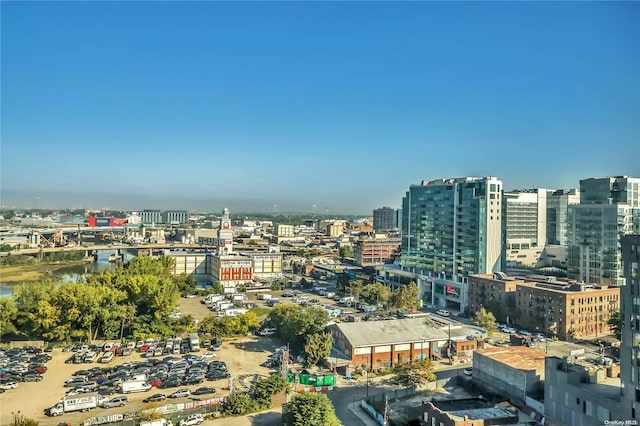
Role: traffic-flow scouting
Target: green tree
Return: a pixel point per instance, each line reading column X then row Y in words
column 293, row 323
column 406, row 296
column 186, row 284
column 485, row 320
column 8, row 315
column 354, row 288
column 266, row 387
column 317, row 347
column 375, row 294
column 615, row 324
column 304, row 283
column 239, row 404
column 345, row 251
column 311, row 409
column 415, row 373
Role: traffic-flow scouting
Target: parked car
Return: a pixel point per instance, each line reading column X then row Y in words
column 156, row 397
column 203, row 390
column 32, row 378
column 193, row 419
column 8, row 385
column 181, row 393
column 118, row 401
column 443, row 313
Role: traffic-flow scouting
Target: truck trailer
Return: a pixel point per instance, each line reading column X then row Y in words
column 194, row 342
column 82, row 402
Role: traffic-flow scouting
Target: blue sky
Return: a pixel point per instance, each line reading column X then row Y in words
column 342, row 105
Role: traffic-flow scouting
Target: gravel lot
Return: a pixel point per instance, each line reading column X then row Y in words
column 242, row 355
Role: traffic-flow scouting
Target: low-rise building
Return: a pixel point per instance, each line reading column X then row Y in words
column 381, row 344
column 512, row 371
column 495, row 292
column 376, row 251
column 466, row 412
column 581, row 396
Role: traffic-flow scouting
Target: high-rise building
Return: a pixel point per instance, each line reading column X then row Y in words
column 525, row 221
column 452, row 227
column 608, row 209
column 384, row 219
column 557, row 210
column 630, row 317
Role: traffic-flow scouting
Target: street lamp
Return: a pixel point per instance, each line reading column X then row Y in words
column 367, row 378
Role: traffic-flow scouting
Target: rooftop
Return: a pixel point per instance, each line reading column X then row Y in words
column 519, row 357
column 406, row 330
column 472, row 409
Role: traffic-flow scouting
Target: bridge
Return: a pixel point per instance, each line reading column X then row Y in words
column 112, row 247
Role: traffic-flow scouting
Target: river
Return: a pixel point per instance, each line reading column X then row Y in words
column 73, row 273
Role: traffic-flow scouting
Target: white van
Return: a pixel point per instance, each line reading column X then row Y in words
column 443, row 313
column 135, row 386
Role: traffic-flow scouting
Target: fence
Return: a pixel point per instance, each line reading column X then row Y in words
column 173, row 412
column 394, row 395
column 379, row 418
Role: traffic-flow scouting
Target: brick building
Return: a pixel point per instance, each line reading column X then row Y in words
column 376, row 251
column 381, row 344
column 546, row 305
column 496, row 293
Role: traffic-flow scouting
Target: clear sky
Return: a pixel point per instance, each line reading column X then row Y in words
column 343, row 105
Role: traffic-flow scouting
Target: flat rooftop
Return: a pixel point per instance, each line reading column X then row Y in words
column 368, row 333
column 519, row 357
column 472, row 409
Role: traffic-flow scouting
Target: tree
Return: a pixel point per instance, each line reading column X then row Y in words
column 8, row 315
column 239, row 404
column 317, row 347
column 375, row 294
column 304, row 283
column 266, row 387
column 485, row 320
column 293, row 323
column 311, row 409
column 345, row 251
column 186, row 284
column 406, row 296
column 615, row 324
column 354, row 288
column 416, row 373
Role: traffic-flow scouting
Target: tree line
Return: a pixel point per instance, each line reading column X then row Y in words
column 134, row 300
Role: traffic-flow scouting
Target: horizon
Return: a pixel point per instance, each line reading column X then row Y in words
column 199, row 106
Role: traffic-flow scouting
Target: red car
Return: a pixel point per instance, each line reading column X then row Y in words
column 155, row 383
column 144, row 348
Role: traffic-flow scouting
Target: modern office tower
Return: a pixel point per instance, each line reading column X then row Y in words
column 525, row 222
column 557, row 210
column 630, row 316
column 384, row 219
column 608, row 209
column 452, row 227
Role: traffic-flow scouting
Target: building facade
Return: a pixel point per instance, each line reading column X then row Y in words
column 630, row 317
column 512, row 371
column 608, row 209
column 558, row 203
column 568, row 310
column 525, row 222
column 453, row 227
column 376, row 251
column 175, row 217
column 496, row 293
column 384, row 219
column 149, row 217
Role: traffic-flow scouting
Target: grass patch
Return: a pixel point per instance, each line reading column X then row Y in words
column 15, row 274
column 260, row 311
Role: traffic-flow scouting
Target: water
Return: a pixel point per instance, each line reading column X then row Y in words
column 74, row 273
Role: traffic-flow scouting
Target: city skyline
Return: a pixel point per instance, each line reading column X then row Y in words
column 337, row 105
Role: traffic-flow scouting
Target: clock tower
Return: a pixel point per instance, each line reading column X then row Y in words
column 225, row 234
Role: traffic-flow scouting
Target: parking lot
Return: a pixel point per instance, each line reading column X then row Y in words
column 243, row 357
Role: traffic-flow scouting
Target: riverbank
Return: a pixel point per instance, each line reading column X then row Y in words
column 17, row 274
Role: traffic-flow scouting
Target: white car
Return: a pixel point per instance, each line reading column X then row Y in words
column 8, row 385
column 194, row 419
column 209, row 355
column 443, row 313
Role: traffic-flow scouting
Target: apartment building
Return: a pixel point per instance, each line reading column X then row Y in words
column 376, row 251
column 546, row 305
column 525, row 222
column 609, row 208
column 384, row 219
column 630, row 316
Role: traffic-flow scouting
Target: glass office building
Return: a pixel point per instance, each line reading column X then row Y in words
column 452, row 227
